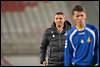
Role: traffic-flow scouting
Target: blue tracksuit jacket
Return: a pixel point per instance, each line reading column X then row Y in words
column 82, row 47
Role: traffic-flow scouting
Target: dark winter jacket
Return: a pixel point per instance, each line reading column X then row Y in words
column 54, row 42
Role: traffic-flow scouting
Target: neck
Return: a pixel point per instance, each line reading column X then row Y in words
column 59, row 28
column 80, row 27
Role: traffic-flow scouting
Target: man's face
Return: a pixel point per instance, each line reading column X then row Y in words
column 59, row 20
column 79, row 17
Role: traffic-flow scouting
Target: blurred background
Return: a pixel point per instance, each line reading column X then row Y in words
column 24, row 22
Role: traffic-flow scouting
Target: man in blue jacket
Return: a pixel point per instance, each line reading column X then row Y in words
column 81, row 46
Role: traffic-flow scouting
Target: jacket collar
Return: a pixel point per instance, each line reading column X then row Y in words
column 66, row 26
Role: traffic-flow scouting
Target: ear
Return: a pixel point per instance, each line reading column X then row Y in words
column 85, row 16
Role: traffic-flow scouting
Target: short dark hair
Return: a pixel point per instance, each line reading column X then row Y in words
column 77, row 8
column 59, row 13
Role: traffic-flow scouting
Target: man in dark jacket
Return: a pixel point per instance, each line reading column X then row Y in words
column 54, row 39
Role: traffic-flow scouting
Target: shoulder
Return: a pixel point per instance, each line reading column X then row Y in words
column 72, row 30
column 92, row 27
column 48, row 30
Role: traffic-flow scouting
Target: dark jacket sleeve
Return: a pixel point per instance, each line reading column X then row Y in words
column 43, row 47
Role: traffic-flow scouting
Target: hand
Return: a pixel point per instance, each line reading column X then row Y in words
column 45, row 63
column 96, row 65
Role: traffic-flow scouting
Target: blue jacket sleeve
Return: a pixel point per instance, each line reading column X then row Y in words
column 96, row 50
column 97, row 47
column 67, row 52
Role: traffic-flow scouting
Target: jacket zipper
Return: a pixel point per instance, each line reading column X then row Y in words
column 59, row 46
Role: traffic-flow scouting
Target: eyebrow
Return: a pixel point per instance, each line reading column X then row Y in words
column 80, row 15
column 59, row 18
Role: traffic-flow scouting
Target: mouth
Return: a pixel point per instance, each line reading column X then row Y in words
column 80, row 21
column 59, row 26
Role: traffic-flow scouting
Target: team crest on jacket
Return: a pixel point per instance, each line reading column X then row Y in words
column 89, row 40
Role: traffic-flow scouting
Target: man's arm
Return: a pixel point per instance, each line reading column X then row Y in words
column 67, row 52
column 97, row 47
column 43, row 47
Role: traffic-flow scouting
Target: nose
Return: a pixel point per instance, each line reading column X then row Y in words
column 59, row 20
column 79, row 17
